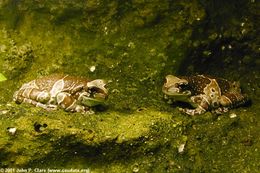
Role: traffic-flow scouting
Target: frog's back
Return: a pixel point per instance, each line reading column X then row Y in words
column 228, row 86
column 67, row 82
column 199, row 82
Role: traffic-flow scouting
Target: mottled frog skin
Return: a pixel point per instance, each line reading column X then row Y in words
column 203, row 93
column 74, row 94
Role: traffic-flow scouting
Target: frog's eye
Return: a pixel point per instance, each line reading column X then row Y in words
column 97, row 86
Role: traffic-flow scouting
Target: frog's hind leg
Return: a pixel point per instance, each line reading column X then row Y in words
column 38, row 104
column 232, row 99
column 31, row 94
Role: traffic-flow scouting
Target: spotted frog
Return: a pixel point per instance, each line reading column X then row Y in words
column 73, row 94
column 203, row 93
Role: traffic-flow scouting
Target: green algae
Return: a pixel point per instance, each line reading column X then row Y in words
column 133, row 45
column 41, row 135
column 2, row 77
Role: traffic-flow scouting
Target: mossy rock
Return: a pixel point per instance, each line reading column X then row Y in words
column 39, row 135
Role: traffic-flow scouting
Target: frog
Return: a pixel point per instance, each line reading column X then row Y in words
column 203, row 93
column 70, row 93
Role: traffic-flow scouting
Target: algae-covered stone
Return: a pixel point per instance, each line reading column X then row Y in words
column 15, row 59
column 39, row 134
column 2, row 77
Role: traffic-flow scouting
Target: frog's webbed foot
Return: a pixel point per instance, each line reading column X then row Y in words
column 89, row 112
column 83, row 109
column 197, row 111
column 49, row 107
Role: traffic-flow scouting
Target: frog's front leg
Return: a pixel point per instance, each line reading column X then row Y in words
column 200, row 103
column 220, row 110
column 69, row 103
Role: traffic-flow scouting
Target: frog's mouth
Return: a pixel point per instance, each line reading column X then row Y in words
column 93, row 97
column 88, row 101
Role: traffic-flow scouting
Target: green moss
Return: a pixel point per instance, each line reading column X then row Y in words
column 2, row 77
column 39, row 134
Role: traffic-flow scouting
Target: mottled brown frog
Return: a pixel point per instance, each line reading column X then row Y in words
column 74, row 94
column 203, row 93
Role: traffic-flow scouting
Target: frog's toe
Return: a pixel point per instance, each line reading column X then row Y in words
column 89, row 112
column 51, row 107
column 80, row 108
column 220, row 110
column 186, row 111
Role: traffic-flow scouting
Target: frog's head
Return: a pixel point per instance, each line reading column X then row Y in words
column 95, row 93
column 176, row 88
